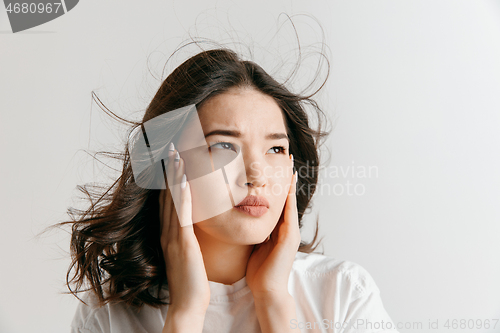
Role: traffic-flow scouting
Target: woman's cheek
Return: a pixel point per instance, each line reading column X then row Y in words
column 280, row 175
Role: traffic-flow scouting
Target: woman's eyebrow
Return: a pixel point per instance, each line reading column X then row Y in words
column 237, row 134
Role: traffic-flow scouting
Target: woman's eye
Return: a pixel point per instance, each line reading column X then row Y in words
column 223, row 146
column 277, row 150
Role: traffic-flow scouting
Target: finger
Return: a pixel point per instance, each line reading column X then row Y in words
column 293, row 184
column 176, row 176
column 186, row 212
column 293, row 190
column 184, row 225
column 169, row 210
column 291, row 200
column 166, row 206
column 290, row 215
column 164, row 197
column 290, row 209
column 170, row 168
column 273, row 237
column 288, row 203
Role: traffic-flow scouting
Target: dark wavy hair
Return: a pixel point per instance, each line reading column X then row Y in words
column 115, row 243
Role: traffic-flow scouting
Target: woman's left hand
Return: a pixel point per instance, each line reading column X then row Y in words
column 270, row 263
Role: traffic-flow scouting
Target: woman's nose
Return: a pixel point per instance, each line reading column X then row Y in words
column 254, row 172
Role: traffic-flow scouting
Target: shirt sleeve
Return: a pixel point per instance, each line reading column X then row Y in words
column 116, row 318
column 87, row 320
column 365, row 312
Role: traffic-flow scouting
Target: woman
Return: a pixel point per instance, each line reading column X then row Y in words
column 202, row 230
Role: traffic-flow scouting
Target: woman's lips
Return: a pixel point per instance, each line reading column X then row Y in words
column 255, row 211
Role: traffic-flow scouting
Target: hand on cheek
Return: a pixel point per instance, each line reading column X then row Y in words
column 270, row 264
column 186, row 276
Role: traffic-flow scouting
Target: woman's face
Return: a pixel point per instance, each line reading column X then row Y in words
column 240, row 175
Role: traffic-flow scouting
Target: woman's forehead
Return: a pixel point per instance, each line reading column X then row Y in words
column 242, row 109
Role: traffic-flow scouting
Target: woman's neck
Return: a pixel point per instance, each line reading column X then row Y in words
column 224, row 263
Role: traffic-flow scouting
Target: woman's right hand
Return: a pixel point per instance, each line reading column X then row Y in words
column 186, row 275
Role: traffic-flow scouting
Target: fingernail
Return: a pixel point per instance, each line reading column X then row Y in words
column 171, row 149
column 183, row 181
column 177, row 159
column 291, row 157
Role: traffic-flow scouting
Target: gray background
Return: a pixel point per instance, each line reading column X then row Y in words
column 414, row 91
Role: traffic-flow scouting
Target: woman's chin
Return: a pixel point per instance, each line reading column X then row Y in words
column 247, row 239
column 262, row 239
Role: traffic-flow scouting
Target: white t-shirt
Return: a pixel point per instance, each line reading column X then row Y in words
column 330, row 296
